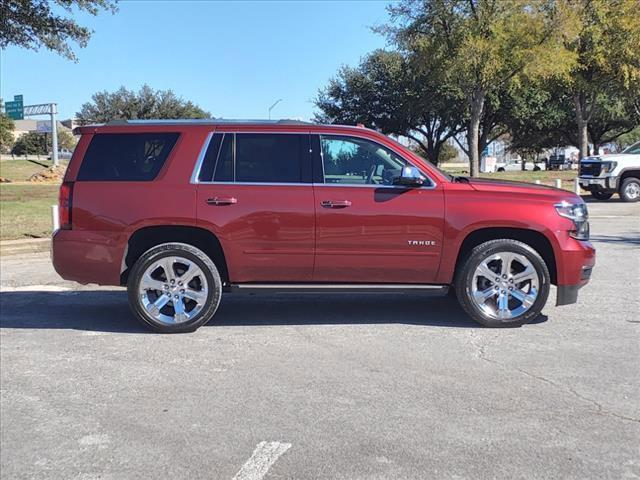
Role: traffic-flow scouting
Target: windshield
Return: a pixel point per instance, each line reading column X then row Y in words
column 634, row 149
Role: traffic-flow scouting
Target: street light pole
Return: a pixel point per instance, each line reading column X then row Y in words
column 271, row 107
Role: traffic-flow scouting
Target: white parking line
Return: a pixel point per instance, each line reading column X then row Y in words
column 262, row 458
column 35, row 288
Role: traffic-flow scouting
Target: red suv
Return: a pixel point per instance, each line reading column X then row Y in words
column 182, row 211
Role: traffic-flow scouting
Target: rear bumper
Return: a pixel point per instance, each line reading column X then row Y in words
column 87, row 257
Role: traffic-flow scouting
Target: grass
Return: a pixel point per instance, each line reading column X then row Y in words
column 545, row 177
column 25, row 210
column 21, row 170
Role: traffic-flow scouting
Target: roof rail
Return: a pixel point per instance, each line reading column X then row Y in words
column 206, row 121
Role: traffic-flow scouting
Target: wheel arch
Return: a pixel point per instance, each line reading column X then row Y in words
column 629, row 172
column 536, row 240
column 145, row 238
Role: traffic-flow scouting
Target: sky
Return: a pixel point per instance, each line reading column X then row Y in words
column 234, row 59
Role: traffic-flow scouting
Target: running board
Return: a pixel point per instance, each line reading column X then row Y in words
column 338, row 288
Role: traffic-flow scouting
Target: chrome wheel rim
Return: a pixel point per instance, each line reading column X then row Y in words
column 632, row 190
column 173, row 290
column 505, row 285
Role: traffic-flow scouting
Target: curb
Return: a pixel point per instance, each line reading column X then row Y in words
column 19, row 247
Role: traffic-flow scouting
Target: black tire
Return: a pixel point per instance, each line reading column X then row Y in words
column 600, row 195
column 465, row 274
column 190, row 253
column 628, row 185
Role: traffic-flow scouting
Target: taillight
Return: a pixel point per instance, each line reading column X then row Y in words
column 64, row 205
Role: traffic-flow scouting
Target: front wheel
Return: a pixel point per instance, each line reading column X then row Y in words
column 630, row 189
column 503, row 283
column 174, row 288
column 600, row 195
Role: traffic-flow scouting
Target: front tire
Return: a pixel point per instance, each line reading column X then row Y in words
column 600, row 195
column 174, row 288
column 630, row 189
column 503, row 283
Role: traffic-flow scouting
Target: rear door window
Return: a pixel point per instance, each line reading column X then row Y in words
column 133, row 157
column 257, row 158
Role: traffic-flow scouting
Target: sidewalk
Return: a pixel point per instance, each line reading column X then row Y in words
column 27, row 245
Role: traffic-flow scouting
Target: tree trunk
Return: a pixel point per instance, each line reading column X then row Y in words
column 583, row 124
column 596, row 148
column 473, row 133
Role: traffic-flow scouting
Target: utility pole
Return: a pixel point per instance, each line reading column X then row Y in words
column 54, row 135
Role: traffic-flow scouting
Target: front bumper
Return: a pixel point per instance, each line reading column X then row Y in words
column 568, row 294
column 598, row 183
column 575, row 261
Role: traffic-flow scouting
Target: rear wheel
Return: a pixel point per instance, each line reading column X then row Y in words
column 503, row 283
column 600, row 195
column 174, row 288
column 630, row 189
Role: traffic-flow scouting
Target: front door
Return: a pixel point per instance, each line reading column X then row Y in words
column 368, row 229
column 254, row 192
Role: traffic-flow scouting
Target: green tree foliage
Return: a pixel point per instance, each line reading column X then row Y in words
column 481, row 46
column 33, row 23
column 386, row 92
column 607, row 46
column 143, row 104
column 6, row 132
column 66, row 141
column 31, row 143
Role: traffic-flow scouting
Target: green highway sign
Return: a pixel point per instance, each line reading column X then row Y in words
column 15, row 109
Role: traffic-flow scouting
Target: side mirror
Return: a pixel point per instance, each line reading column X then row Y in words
column 410, row 176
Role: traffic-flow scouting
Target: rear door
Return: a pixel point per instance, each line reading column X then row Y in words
column 369, row 230
column 254, row 192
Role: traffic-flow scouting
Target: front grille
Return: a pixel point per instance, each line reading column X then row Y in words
column 590, row 169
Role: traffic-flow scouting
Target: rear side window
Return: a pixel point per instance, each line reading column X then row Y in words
column 133, row 157
column 257, row 158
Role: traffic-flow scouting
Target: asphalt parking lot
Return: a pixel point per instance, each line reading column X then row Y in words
column 341, row 387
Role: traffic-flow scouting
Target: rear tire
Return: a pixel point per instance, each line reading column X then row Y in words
column 174, row 288
column 630, row 189
column 599, row 195
column 503, row 283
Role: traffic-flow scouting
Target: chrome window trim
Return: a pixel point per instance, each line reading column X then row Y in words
column 203, row 151
column 351, row 135
column 374, row 186
column 268, row 184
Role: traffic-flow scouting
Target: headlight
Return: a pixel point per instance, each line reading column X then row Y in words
column 608, row 167
column 578, row 214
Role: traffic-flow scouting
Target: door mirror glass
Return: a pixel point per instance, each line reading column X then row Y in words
column 409, row 176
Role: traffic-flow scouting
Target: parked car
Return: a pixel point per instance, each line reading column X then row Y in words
column 183, row 211
column 604, row 175
column 558, row 162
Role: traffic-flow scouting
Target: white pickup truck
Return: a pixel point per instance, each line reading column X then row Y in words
column 604, row 175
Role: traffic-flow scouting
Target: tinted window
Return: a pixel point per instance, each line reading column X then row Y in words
column 126, row 156
column 224, row 167
column 356, row 161
column 276, row 158
column 209, row 161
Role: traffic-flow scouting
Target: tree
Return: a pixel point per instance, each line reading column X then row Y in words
column 6, row 132
column 31, row 143
column 66, row 141
column 386, row 92
column 482, row 45
column 32, row 24
column 606, row 45
column 613, row 115
column 144, row 104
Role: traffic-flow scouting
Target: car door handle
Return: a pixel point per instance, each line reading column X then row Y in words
column 335, row 203
column 219, row 201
